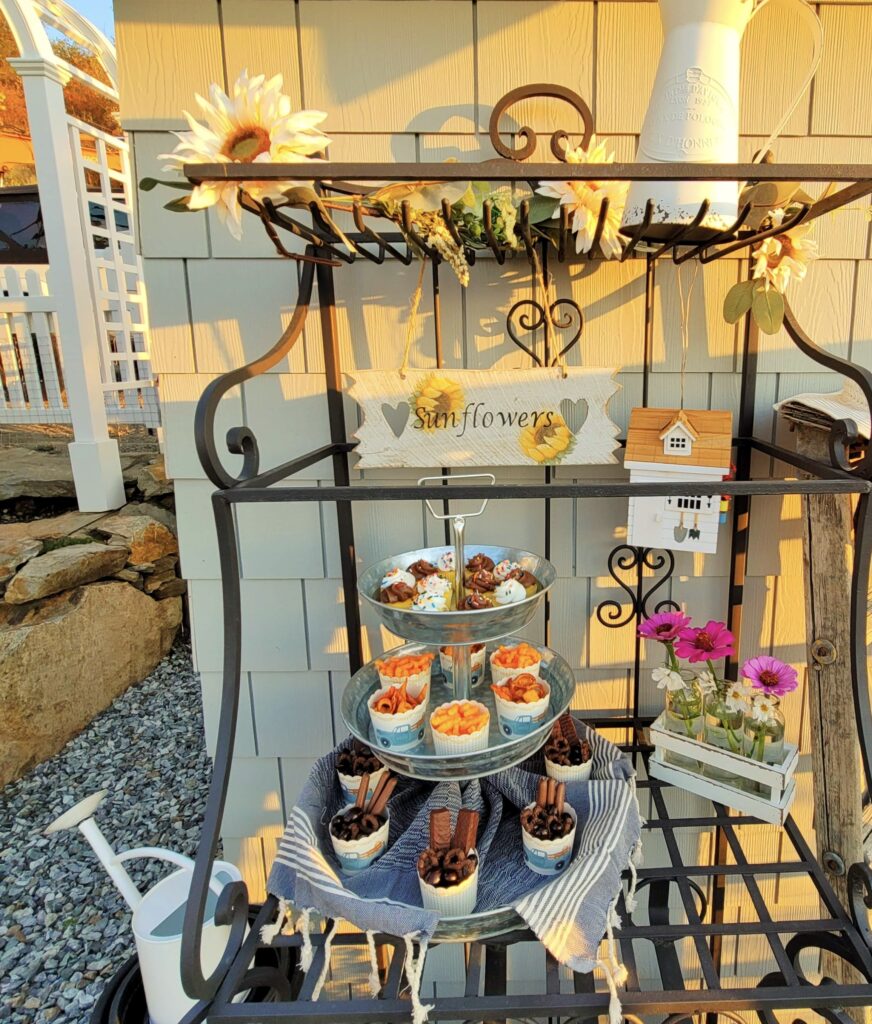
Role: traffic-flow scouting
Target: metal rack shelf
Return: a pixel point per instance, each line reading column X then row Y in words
column 705, row 989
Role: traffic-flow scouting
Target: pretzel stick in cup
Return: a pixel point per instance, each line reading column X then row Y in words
column 382, row 782
column 362, row 789
column 378, row 806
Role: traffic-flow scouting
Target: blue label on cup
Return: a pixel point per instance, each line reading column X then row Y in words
column 520, row 726
column 551, row 863
column 405, row 737
column 370, row 851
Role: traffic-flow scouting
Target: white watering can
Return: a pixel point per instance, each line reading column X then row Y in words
column 693, row 114
column 158, row 915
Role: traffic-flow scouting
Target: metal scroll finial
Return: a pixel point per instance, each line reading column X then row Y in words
column 528, row 135
column 625, row 557
column 528, row 316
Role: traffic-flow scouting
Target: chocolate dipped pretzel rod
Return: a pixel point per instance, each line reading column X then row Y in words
column 383, row 793
column 362, row 790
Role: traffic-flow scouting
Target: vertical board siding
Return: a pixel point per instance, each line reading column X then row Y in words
column 216, row 303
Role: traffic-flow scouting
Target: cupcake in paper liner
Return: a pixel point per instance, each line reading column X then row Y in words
column 477, row 659
column 568, row 758
column 356, row 854
column 522, row 704
column 513, row 660
column 412, row 669
column 508, row 572
column 403, row 728
column 397, row 588
column 460, row 727
column 548, row 856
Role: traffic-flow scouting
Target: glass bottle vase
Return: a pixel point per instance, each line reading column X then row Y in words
column 764, row 741
column 684, row 715
column 723, row 728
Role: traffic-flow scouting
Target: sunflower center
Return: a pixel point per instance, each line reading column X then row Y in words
column 774, row 259
column 246, row 143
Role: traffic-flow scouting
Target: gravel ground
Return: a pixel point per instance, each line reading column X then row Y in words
column 64, row 928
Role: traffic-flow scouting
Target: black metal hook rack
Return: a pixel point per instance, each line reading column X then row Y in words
column 701, row 887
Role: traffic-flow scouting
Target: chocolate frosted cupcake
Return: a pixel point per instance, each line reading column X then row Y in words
column 448, row 868
column 567, row 758
column 397, row 588
column 482, row 581
column 474, row 602
column 480, row 561
column 422, row 568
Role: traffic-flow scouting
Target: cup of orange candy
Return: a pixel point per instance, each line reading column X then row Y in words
column 506, row 662
column 460, row 727
column 411, row 669
column 522, row 704
column 398, row 718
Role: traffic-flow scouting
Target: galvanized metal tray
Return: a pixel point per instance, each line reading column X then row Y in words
column 463, row 627
column 423, row 762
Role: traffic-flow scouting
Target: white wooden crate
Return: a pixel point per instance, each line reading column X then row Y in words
column 778, row 777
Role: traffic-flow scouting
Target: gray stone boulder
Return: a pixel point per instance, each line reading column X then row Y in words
column 64, row 568
column 65, row 659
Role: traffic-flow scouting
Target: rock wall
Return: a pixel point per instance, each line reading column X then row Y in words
column 89, row 604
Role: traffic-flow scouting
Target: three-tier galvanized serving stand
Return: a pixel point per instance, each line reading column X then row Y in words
column 692, row 983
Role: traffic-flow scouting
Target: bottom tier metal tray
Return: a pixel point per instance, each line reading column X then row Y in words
column 502, row 752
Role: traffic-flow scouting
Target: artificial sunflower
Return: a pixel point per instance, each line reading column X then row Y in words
column 547, row 442
column 438, row 402
column 584, row 201
column 255, row 124
column 781, row 258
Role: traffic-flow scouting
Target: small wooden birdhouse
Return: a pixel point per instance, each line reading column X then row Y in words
column 677, row 444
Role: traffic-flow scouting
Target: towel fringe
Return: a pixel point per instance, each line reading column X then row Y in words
column 374, row 980
column 269, row 931
column 302, row 926
column 328, row 943
column 635, row 862
column 414, row 971
column 616, row 1013
column 615, row 971
column 642, row 819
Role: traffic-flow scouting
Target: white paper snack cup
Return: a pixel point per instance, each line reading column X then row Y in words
column 569, row 772
column 414, row 683
column 454, row 901
column 351, row 784
column 477, row 662
column 551, row 856
column 444, row 744
column 516, row 719
column 499, row 674
column 356, row 854
column 398, row 732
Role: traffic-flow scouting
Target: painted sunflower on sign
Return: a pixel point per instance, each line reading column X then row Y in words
column 547, row 442
column 438, row 402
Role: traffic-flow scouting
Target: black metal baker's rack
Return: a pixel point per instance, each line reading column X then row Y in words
column 843, row 933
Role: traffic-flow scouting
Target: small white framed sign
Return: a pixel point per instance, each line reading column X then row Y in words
column 532, row 417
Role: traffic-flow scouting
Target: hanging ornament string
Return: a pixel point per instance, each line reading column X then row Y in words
column 412, row 322
column 684, row 320
column 559, row 361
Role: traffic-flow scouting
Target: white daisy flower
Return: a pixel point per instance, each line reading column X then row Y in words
column 737, row 697
column 762, row 708
column 667, row 679
column 584, row 200
column 706, row 682
column 255, row 124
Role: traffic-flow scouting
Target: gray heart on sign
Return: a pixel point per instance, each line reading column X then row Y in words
column 574, row 413
column 397, row 416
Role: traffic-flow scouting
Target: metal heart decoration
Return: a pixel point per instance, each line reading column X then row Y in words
column 574, row 413
column 397, row 416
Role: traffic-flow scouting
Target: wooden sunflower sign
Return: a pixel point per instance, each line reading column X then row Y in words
column 534, row 417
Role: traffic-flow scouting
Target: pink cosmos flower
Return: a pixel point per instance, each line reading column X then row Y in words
column 711, row 642
column 770, row 675
column 664, row 626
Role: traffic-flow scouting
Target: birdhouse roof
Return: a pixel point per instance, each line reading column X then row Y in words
column 711, row 431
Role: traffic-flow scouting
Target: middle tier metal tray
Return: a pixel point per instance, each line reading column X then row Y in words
column 423, row 762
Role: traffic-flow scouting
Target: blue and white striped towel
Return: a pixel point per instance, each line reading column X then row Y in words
column 569, row 913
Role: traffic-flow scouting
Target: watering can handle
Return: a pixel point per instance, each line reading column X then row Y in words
column 817, row 33
column 179, row 859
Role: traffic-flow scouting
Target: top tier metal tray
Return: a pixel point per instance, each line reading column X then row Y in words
column 457, row 627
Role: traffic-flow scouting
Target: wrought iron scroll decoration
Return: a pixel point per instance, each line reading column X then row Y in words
column 528, row 134
column 611, row 613
column 241, row 440
column 529, row 316
column 843, row 432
